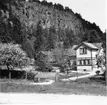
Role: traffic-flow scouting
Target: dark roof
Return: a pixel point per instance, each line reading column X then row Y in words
column 94, row 46
column 98, row 45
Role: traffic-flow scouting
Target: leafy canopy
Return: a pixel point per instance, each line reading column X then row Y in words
column 12, row 55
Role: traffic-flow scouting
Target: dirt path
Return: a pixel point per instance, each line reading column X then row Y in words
column 79, row 77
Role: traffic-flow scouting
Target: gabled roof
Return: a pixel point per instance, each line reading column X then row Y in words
column 98, row 45
column 89, row 45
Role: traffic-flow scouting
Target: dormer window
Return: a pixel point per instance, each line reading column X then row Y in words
column 83, row 50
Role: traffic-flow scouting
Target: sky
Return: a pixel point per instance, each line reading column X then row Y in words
column 91, row 10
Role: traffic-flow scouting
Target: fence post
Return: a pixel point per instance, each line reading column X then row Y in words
column 57, row 75
column 9, row 74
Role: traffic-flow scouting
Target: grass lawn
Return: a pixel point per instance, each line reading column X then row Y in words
column 83, row 86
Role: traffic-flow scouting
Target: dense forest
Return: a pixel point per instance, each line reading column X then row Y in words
column 39, row 25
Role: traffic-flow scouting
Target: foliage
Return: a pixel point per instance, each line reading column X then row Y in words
column 5, row 33
column 70, row 38
column 36, row 1
column 16, row 28
column 92, row 32
column 39, row 38
column 18, row 33
column 10, row 26
column 44, row 2
column 27, row 46
column 60, row 57
column 59, row 7
column 51, row 39
column 88, row 25
column 100, row 61
column 12, row 56
column 45, row 38
column 42, row 62
column 67, row 9
column 103, row 38
column 91, row 36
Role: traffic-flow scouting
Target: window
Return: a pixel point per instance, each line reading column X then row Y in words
column 96, row 56
column 88, row 61
column 83, row 50
column 84, row 62
column 80, row 62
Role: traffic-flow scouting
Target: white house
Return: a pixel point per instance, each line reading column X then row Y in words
column 86, row 54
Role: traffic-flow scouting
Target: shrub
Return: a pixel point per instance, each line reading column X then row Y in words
column 30, row 76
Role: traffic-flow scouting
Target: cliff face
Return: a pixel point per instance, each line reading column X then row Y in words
column 30, row 13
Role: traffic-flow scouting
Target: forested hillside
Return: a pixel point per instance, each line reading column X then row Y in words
column 40, row 25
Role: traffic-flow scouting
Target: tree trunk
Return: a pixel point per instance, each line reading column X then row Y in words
column 9, row 76
column 77, row 75
column 57, row 77
column 26, row 76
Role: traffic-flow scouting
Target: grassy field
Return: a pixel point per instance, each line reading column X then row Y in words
column 83, row 86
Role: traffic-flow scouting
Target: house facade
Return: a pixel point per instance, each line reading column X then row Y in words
column 86, row 56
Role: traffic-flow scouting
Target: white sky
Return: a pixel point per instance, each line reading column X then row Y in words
column 91, row 10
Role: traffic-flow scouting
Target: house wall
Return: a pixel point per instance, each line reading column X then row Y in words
column 90, row 55
column 78, row 55
column 81, row 68
column 94, row 53
column 94, row 60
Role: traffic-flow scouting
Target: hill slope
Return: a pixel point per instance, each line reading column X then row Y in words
column 19, row 22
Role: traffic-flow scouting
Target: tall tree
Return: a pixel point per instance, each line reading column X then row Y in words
column 39, row 39
column 60, row 57
column 12, row 56
column 51, row 39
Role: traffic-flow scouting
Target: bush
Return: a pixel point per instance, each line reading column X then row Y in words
column 45, row 69
column 97, row 72
column 36, row 79
column 30, row 76
column 104, row 74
